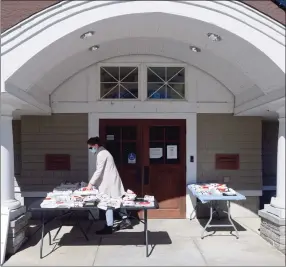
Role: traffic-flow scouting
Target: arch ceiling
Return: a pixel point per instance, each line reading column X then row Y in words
column 47, row 49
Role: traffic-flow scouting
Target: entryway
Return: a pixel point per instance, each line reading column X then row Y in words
column 151, row 158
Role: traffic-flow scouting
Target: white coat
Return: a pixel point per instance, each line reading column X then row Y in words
column 106, row 177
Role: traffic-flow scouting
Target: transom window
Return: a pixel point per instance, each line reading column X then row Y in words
column 118, row 82
column 166, row 82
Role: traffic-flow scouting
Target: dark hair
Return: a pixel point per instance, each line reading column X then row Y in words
column 94, row 141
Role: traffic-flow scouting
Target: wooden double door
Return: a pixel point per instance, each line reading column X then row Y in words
column 151, row 158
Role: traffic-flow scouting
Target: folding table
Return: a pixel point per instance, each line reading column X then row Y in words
column 211, row 199
column 36, row 207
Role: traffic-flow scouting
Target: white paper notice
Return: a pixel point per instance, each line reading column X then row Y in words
column 155, row 152
column 172, row 152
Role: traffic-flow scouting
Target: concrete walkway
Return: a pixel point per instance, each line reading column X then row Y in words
column 177, row 242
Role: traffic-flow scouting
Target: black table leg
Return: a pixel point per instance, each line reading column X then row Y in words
column 92, row 215
column 43, row 234
column 146, row 231
column 92, row 221
column 57, row 232
column 81, row 229
column 63, row 215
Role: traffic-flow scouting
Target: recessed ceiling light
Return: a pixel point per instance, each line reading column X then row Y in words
column 195, row 49
column 214, row 37
column 87, row 35
column 93, row 48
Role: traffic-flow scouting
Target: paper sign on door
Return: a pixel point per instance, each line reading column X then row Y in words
column 155, row 152
column 172, row 152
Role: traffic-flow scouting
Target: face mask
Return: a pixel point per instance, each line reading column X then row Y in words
column 93, row 150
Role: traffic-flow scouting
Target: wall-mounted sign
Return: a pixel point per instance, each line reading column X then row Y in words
column 227, row 161
column 58, row 162
column 172, row 152
column 155, row 152
column 131, row 158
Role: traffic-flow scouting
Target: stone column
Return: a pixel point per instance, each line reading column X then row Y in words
column 277, row 204
column 7, row 164
column 273, row 216
column 18, row 216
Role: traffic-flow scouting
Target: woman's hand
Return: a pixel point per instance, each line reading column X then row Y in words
column 89, row 187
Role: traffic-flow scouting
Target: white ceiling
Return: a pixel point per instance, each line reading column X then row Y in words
column 222, row 70
column 157, row 34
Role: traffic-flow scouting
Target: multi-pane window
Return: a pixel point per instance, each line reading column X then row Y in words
column 167, row 140
column 119, row 82
column 123, row 141
column 166, row 82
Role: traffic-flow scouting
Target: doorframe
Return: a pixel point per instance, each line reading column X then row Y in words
column 191, row 142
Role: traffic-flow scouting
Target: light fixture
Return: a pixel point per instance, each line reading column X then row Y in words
column 87, row 35
column 93, row 48
column 195, row 49
column 214, row 37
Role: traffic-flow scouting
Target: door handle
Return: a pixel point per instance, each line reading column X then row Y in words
column 146, row 175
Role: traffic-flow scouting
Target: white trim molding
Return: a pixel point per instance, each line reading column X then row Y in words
column 27, row 98
column 260, row 101
column 143, row 108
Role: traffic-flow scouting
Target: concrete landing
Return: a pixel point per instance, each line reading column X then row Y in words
column 177, row 242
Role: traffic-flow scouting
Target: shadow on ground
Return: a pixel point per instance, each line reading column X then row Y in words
column 75, row 236
column 120, row 239
column 222, row 221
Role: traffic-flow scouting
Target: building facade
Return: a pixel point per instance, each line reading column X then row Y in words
column 179, row 92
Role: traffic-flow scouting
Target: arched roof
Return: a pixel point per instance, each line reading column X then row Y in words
column 249, row 61
column 13, row 12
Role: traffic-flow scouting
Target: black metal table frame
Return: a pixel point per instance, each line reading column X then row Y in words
column 145, row 222
column 69, row 212
column 73, row 211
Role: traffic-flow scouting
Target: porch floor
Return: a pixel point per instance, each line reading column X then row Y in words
column 178, row 243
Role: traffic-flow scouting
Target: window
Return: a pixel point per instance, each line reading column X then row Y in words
column 120, row 142
column 164, row 138
column 166, row 82
column 118, row 82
